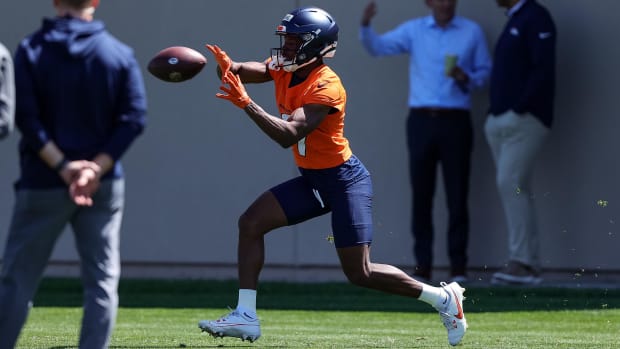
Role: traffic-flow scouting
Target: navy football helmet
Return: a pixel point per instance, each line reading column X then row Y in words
column 317, row 31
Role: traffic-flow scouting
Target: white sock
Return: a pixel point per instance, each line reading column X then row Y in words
column 435, row 296
column 247, row 300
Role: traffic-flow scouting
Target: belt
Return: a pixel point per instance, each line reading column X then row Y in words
column 440, row 112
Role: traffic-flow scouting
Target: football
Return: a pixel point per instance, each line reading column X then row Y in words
column 176, row 64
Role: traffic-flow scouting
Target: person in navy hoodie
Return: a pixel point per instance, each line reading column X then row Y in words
column 520, row 116
column 81, row 102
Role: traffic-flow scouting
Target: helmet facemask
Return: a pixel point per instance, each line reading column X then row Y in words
column 310, row 49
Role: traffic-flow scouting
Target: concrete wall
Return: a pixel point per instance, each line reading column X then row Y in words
column 201, row 161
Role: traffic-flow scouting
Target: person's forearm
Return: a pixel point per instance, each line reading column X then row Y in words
column 52, row 155
column 105, row 163
column 274, row 127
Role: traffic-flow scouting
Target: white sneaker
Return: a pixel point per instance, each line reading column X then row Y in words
column 452, row 315
column 235, row 324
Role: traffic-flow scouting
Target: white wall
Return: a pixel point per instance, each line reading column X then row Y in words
column 201, row 161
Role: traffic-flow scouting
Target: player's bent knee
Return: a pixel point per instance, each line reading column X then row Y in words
column 258, row 220
column 357, row 277
column 252, row 226
column 248, row 225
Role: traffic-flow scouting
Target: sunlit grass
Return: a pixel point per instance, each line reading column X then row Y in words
column 164, row 314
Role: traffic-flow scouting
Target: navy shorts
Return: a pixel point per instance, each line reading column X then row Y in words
column 345, row 191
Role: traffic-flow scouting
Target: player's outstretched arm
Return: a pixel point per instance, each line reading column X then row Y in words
column 253, row 72
column 249, row 72
column 284, row 132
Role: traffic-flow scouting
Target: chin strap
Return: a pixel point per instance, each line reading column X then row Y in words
column 278, row 62
column 293, row 67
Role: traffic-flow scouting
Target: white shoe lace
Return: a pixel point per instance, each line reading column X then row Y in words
column 235, row 313
column 448, row 321
column 232, row 312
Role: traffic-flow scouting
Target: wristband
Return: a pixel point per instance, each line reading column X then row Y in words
column 61, row 164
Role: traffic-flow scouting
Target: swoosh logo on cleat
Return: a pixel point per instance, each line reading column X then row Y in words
column 459, row 314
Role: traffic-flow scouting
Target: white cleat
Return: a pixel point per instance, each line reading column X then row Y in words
column 235, row 324
column 452, row 316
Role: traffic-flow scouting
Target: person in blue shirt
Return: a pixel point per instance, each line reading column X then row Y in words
column 520, row 116
column 81, row 102
column 448, row 58
column 7, row 92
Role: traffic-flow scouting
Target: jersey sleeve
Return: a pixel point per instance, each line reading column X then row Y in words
column 327, row 91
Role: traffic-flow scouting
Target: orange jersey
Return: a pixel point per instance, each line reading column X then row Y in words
column 326, row 145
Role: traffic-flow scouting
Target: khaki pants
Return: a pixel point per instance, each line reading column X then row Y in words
column 515, row 141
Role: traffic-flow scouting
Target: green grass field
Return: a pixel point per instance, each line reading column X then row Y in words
column 164, row 314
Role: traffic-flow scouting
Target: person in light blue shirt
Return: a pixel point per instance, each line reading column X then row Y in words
column 448, row 58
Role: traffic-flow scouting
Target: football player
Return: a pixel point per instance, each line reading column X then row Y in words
column 312, row 104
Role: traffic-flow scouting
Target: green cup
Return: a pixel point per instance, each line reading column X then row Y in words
column 449, row 63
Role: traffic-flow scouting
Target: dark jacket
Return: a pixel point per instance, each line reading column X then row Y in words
column 523, row 74
column 80, row 87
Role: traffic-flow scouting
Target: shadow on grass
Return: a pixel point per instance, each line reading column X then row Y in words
column 174, row 346
column 169, row 346
column 323, row 296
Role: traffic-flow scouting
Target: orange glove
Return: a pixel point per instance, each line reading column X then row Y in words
column 221, row 57
column 236, row 93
